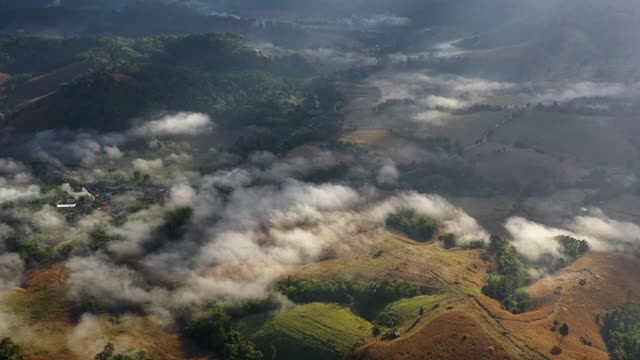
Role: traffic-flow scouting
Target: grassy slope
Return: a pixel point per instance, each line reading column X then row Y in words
column 408, row 309
column 318, row 330
column 403, row 260
column 453, row 335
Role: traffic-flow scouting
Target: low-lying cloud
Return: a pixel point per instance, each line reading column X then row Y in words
column 16, row 182
column 432, row 97
column 146, row 166
column 176, row 124
column 536, row 241
column 11, row 268
column 243, row 235
column 585, row 89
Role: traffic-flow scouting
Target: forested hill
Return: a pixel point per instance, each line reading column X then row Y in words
column 212, row 51
column 217, row 74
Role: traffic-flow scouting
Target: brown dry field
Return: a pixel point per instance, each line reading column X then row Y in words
column 454, row 335
column 45, row 314
column 364, row 137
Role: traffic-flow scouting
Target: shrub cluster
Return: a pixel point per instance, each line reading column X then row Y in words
column 310, row 290
column 507, row 285
column 621, row 331
column 211, row 329
column 416, row 226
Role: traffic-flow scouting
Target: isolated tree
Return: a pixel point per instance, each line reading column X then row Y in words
column 496, row 244
column 449, row 240
column 107, row 352
column 376, row 331
column 140, row 355
column 564, row 331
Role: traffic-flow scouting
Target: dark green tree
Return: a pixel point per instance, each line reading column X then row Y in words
column 497, row 244
column 414, row 225
column 99, row 238
column 109, row 349
column 621, row 331
column 106, row 353
column 9, row 350
column 376, row 331
column 210, row 328
column 449, row 240
column 564, row 330
column 235, row 348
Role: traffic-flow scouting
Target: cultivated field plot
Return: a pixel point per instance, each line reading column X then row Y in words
column 318, row 330
column 364, row 137
column 565, row 135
